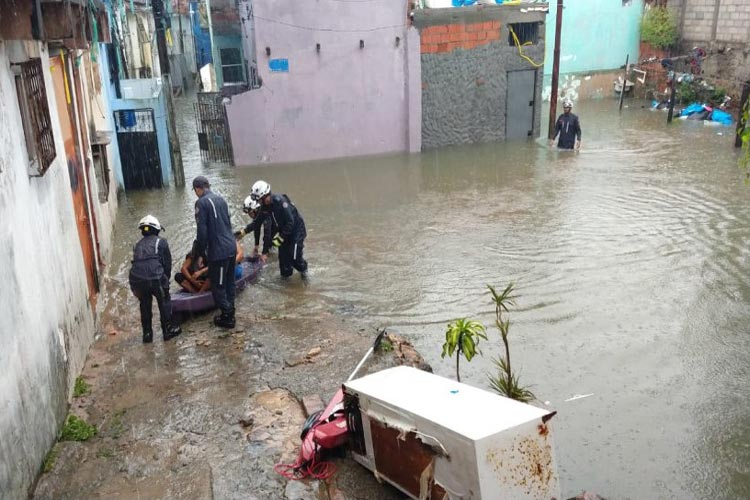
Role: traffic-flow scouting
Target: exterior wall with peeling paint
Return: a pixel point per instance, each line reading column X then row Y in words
column 47, row 321
column 596, row 35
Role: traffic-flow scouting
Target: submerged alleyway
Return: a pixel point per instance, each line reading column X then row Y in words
column 608, row 248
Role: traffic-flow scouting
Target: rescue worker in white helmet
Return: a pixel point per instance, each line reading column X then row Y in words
column 251, row 207
column 149, row 278
column 290, row 239
column 568, row 127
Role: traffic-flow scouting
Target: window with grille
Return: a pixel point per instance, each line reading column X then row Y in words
column 37, row 126
column 527, row 33
column 231, row 66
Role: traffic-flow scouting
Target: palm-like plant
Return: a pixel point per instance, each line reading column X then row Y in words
column 506, row 382
column 462, row 337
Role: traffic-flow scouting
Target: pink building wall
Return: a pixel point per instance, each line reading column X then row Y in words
column 342, row 100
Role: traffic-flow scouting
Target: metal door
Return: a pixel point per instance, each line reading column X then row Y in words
column 519, row 115
column 62, row 80
column 139, row 148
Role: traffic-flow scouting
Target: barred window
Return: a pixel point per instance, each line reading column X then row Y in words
column 37, row 126
column 527, row 33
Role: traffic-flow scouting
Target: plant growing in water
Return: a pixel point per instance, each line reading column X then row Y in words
column 505, row 382
column 462, row 337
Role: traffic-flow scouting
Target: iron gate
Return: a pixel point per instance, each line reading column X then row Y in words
column 211, row 122
column 139, row 148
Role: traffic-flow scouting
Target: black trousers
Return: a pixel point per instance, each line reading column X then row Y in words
column 290, row 257
column 146, row 291
column 221, row 274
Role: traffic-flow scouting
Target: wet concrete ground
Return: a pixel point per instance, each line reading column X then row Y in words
column 207, row 415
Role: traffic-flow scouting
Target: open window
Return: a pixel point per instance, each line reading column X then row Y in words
column 37, row 126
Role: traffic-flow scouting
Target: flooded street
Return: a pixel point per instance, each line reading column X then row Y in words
column 630, row 260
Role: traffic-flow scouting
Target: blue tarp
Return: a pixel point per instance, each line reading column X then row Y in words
column 722, row 117
column 692, row 109
column 712, row 114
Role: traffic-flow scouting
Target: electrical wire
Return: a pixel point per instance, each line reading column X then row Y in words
column 313, row 469
column 520, row 50
column 329, row 30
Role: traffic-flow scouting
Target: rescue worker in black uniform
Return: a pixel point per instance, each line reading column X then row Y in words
column 216, row 239
column 290, row 239
column 568, row 127
column 251, row 207
column 149, row 278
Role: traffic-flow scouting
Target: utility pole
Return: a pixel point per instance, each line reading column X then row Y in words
column 214, row 53
column 671, row 97
column 179, row 22
column 174, row 141
column 624, row 81
column 555, row 72
column 161, row 36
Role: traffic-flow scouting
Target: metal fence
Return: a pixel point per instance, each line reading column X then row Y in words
column 214, row 140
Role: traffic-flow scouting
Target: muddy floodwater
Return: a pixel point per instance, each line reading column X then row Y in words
column 630, row 260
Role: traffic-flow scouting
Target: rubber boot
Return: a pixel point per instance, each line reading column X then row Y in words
column 225, row 320
column 171, row 332
column 148, row 336
column 217, row 318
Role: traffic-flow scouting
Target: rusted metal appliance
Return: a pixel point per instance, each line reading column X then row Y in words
column 434, row 438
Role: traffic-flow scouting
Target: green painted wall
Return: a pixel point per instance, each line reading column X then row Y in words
column 596, row 34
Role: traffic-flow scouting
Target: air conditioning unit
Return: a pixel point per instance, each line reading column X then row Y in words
column 434, row 438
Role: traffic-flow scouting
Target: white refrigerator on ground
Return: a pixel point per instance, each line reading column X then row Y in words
column 434, row 438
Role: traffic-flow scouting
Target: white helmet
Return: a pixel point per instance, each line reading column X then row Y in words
column 260, row 189
column 567, row 103
column 150, row 221
column 250, row 205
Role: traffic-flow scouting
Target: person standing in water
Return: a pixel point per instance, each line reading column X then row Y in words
column 568, row 128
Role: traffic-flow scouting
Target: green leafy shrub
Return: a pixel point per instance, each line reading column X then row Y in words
column 687, row 93
column 80, row 388
column 385, row 346
column 659, row 28
column 717, row 96
column 76, row 429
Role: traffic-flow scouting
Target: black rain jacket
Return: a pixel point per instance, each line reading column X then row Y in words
column 215, row 235
column 152, row 260
column 285, row 216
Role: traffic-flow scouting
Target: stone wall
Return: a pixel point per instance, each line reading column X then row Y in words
column 466, row 57
column 722, row 27
column 714, row 20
